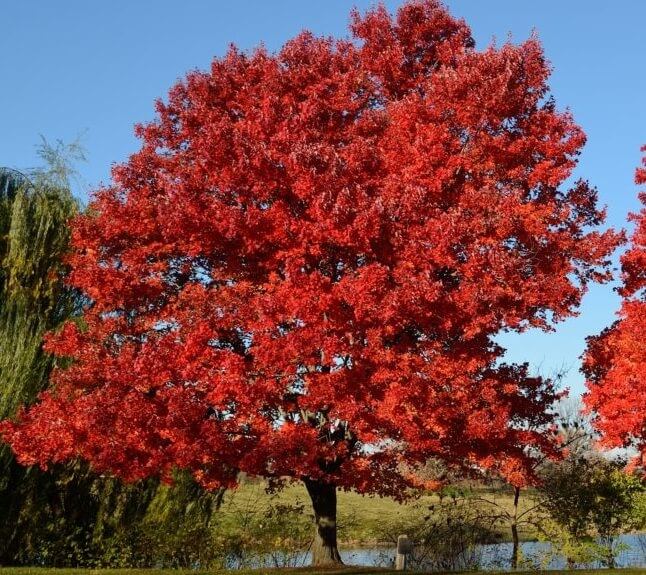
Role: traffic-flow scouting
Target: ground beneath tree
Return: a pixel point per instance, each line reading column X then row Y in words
column 304, row 571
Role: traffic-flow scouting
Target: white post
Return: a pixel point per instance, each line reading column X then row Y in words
column 404, row 549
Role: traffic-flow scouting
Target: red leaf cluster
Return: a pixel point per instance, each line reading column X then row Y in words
column 302, row 271
column 615, row 361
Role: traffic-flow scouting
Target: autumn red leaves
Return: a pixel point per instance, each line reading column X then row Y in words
column 615, row 363
column 302, row 271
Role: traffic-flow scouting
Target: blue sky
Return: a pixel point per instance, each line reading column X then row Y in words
column 75, row 66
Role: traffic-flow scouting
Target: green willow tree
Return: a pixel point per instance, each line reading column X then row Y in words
column 33, row 300
column 33, row 237
column 67, row 515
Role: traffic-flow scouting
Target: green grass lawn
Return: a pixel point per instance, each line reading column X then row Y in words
column 304, row 571
column 363, row 520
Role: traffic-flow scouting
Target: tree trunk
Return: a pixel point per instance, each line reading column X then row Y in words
column 516, row 545
column 611, row 562
column 514, row 530
column 324, row 548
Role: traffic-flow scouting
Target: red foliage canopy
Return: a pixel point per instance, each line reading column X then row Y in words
column 302, row 271
column 615, row 362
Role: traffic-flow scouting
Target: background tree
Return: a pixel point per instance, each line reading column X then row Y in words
column 302, row 272
column 571, row 435
column 593, row 501
column 34, row 236
column 615, row 361
column 33, row 300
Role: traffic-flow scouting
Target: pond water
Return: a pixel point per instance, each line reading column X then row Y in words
column 631, row 552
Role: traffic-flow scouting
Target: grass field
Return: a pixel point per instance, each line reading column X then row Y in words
column 363, row 520
column 303, row 571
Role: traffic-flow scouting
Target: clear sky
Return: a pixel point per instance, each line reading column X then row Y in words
column 75, row 66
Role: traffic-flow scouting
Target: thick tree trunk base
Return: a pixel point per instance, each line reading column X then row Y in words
column 324, row 548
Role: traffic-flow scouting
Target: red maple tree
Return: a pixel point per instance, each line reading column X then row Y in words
column 615, row 361
column 302, row 271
